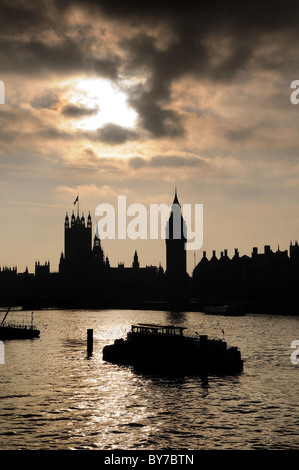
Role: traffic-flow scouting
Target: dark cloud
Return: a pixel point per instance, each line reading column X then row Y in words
column 213, row 41
column 106, row 67
column 54, row 133
column 213, row 14
column 239, row 135
column 114, row 135
column 19, row 16
column 193, row 26
column 16, row 124
column 171, row 161
column 152, row 117
column 164, row 66
column 8, row 136
column 78, row 112
column 54, row 47
column 35, row 56
column 46, row 100
column 111, row 134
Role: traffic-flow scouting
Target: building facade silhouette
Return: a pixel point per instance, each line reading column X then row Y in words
column 85, row 277
column 267, row 278
column 77, row 244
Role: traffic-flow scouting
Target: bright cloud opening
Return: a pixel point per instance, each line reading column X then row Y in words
column 108, row 99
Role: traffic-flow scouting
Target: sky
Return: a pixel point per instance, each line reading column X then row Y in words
column 111, row 98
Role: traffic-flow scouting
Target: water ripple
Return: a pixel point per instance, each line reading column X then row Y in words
column 52, row 397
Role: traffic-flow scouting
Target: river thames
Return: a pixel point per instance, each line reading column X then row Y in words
column 53, row 397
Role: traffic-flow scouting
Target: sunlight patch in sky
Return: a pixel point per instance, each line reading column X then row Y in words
column 108, row 99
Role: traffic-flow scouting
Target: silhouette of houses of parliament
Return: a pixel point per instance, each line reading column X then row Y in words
column 269, row 278
column 85, row 277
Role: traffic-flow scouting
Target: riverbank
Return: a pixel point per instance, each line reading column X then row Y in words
column 191, row 305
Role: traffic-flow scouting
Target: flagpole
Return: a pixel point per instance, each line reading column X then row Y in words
column 75, row 202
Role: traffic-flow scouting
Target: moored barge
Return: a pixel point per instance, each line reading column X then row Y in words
column 165, row 348
column 13, row 331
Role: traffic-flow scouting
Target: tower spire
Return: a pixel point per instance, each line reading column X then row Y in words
column 175, row 242
column 176, row 201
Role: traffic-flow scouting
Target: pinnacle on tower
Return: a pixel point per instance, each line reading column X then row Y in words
column 176, row 201
column 135, row 263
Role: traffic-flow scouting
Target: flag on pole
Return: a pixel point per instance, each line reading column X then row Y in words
column 76, row 200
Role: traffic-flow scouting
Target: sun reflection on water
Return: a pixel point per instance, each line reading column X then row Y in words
column 53, row 396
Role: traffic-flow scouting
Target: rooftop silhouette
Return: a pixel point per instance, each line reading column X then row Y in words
column 261, row 282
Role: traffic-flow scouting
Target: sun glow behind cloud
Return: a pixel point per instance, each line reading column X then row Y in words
column 110, row 102
column 211, row 113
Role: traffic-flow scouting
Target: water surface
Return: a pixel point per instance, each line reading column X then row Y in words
column 52, row 396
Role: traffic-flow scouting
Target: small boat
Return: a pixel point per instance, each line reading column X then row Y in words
column 12, row 331
column 157, row 348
